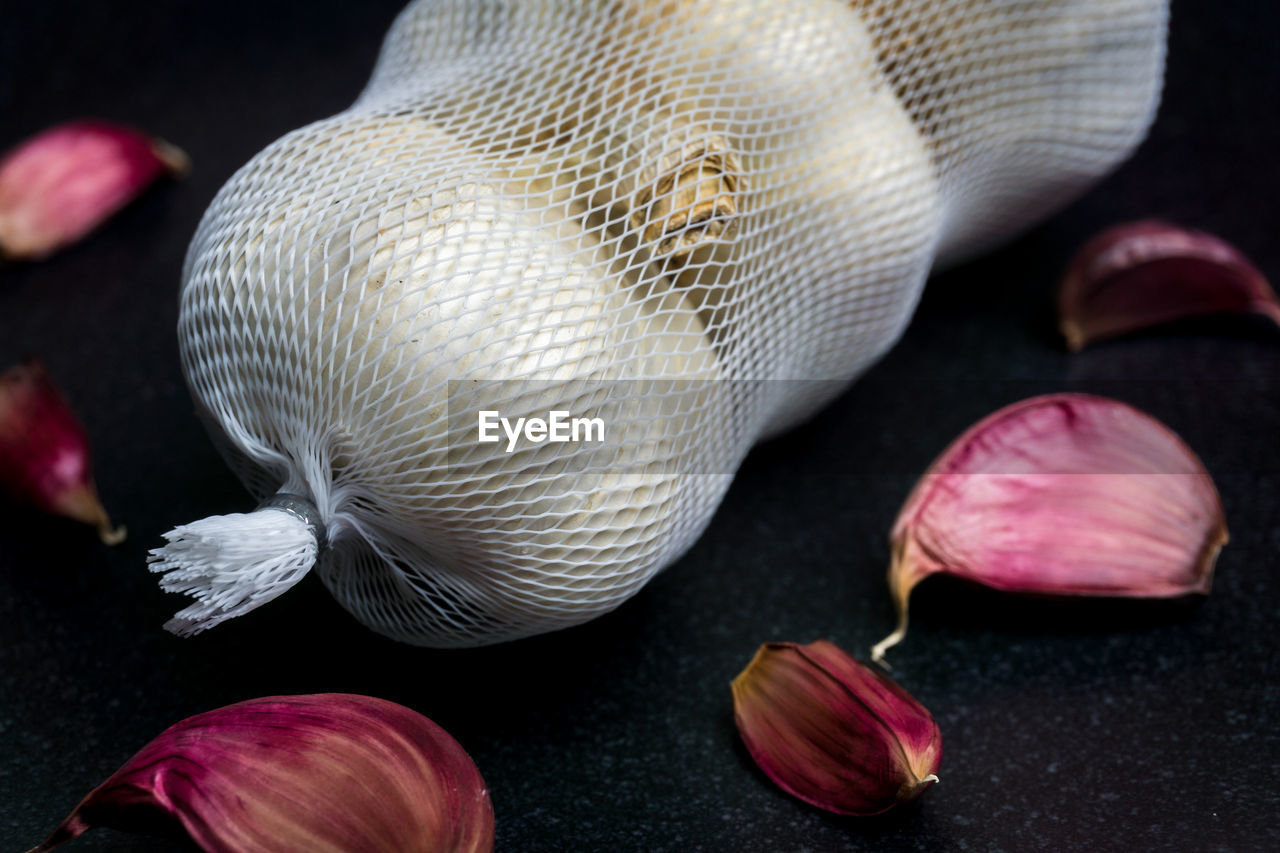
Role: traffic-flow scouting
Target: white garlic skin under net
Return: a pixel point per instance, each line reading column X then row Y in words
column 492, row 209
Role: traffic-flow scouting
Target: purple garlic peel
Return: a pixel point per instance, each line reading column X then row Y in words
column 1061, row 495
column 45, row 459
column 324, row 773
column 1143, row 274
column 832, row 731
column 62, row 183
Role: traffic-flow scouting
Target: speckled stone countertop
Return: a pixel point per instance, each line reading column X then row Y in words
column 1094, row 727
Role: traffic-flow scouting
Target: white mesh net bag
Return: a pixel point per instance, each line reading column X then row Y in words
column 691, row 221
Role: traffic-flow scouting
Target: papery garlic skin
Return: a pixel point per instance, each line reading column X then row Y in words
column 1138, row 275
column 833, row 731
column 45, row 460
column 1061, row 495
column 62, row 183
column 322, row 773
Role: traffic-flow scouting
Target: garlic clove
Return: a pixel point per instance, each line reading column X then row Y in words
column 1061, row 495
column 324, row 772
column 62, row 183
column 1142, row 274
column 832, row 731
column 44, row 452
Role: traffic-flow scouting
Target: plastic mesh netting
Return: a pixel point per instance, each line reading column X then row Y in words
column 647, row 210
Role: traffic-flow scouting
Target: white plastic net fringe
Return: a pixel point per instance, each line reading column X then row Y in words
column 700, row 190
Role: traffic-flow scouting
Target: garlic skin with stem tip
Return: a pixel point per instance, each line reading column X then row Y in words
column 1061, row 495
column 326, row 773
column 832, row 731
column 62, row 183
column 1138, row 275
column 45, row 459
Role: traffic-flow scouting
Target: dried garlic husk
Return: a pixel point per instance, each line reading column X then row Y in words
column 44, row 452
column 62, row 183
column 1061, row 495
column 833, row 731
column 1142, row 274
column 325, row 772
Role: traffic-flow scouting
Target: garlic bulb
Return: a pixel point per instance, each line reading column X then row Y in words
column 836, row 171
column 375, row 276
column 1025, row 104
column 692, row 222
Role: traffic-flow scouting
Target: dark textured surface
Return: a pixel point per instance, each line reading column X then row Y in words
column 1095, row 727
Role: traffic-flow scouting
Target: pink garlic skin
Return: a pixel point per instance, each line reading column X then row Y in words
column 1143, row 274
column 832, row 731
column 62, row 183
column 45, row 459
column 1061, row 495
column 323, row 773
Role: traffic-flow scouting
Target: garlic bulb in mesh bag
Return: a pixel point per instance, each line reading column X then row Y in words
column 690, row 222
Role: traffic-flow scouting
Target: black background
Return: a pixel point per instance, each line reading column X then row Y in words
column 1067, row 726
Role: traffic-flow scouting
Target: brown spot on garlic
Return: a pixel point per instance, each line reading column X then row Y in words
column 686, row 197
